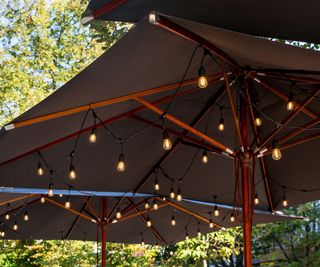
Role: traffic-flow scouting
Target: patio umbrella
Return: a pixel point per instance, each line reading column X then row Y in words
column 142, row 96
column 288, row 20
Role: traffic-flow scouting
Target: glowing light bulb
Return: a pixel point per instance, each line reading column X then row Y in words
column 221, row 125
column 68, row 203
column 93, row 136
column 205, row 157
column 216, row 212
column 290, row 104
column 155, row 205
column 232, row 218
column 15, row 226
column 172, row 194
column 7, row 216
column 156, row 185
column 146, row 205
column 179, row 196
column 121, row 166
column 202, row 81
column 173, row 221
column 72, row 172
column 60, row 195
column 285, row 202
column 211, row 224
column 26, row 216
column 166, row 143
column 149, row 224
column 199, row 233
column 256, row 199
column 276, row 152
column 40, row 170
column 258, row 121
column 42, row 199
column 187, row 236
column 118, row 214
column 2, row 233
column 142, row 242
column 50, row 190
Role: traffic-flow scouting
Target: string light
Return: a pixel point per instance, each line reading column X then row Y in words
column 146, row 205
column 276, row 152
column 284, row 199
column 205, row 157
column 232, row 218
column 2, row 233
column 256, row 199
column 40, row 170
column 149, row 224
column 15, row 226
column 257, row 120
column 202, row 81
column 179, row 196
column 72, row 172
column 156, row 185
column 211, row 224
column 155, row 205
column 7, row 216
column 26, row 216
column 50, row 190
column 173, row 219
column 216, row 211
column 93, row 136
column 118, row 214
column 142, row 240
column 172, row 193
column 121, row 165
column 187, row 235
column 166, row 143
column 42, row 199
column 221, row 121
column 68, row 203
column 199, row 232
column 290, row 104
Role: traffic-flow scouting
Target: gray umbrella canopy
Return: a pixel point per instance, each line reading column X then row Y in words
column 49, row 219
column 289, row 20
column 150, row 62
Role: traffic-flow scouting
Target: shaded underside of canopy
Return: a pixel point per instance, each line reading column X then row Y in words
column 289, row 20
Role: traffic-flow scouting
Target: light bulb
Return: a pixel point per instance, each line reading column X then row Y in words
column 204, row 157
column 146, row 205
column 15, row 226
column 156, row 185
column 232, row 218
column 202, row 81
column 172, row 194
column 42, row 199
column 50, row 190
column 211, row 224
column 40, row 170
column 276, row 152
column 258, row 121
column 187, row 236
column 290, row 104
column 121, row 165
column 118, row 214
column 179, row 196
column 199, row 233
column 149, row 224
column 173, row 221
column 26, row 216
column 7, row 216
column 216, row 212
column 285, row 202
column 93, row 136
column 166, row 144
column 2, row 233
column 60, row 195
column 256, row 199
column 142, row 242
column 221, row 125
column 155, row 205
column 72, row 172
column 68, row 203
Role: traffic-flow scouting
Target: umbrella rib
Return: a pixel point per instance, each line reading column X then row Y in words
column 74, row 223
column 153, row 229
column 17, row 208
column 197, row 119
column 87, row 201
column 124, row 211
column 103, row 103
column 111, row 5
column 16, row 199
column 177, row 29
column 262, row 162
column 285, row 77
column 288, row 119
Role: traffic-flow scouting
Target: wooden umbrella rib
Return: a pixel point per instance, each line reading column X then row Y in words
column 103, row 103
column 21, row 206
column 5, row 202
column 185, row 126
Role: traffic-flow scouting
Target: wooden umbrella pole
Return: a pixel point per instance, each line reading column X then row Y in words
column 104, row 231
column 245, row 171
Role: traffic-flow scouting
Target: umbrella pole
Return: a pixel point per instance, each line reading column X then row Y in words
column 245, row 173
column 104, row 232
